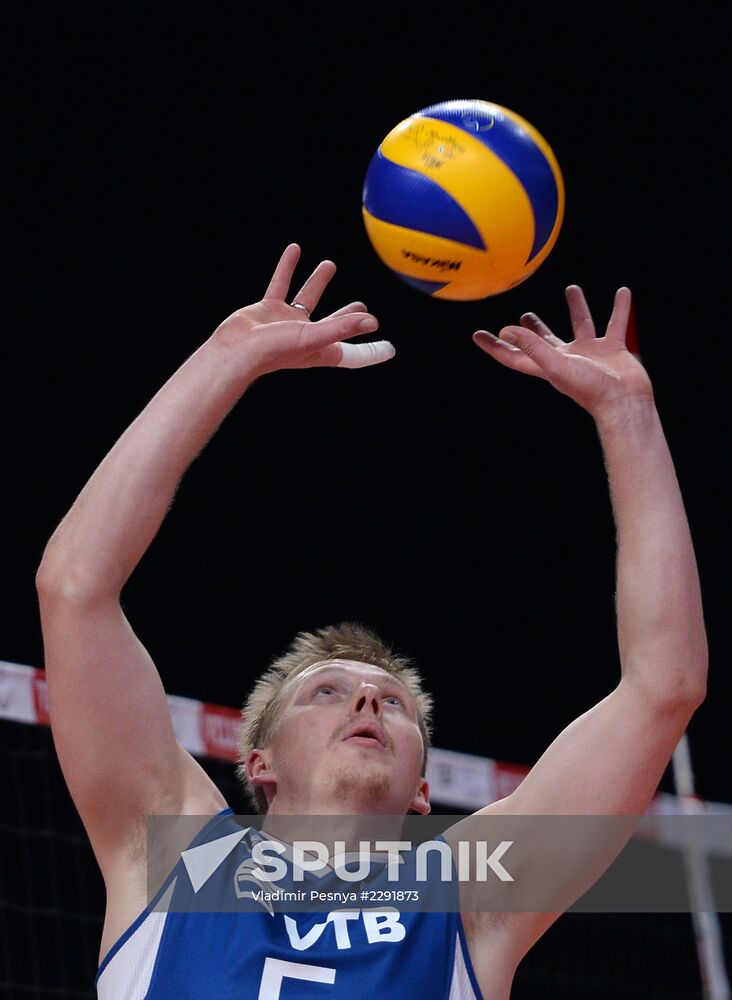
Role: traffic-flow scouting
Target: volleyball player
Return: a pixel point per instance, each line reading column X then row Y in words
column 340, row 724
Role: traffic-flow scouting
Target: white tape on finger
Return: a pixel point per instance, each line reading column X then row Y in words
column 361, row 355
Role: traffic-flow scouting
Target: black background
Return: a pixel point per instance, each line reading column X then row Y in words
column 158, row 165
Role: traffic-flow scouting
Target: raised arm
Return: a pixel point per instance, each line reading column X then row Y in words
column 109, row 715
column 610, row 760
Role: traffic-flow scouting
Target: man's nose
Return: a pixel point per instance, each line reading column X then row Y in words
column 368, row 700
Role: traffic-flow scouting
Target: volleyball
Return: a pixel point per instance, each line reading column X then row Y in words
column 463, row 200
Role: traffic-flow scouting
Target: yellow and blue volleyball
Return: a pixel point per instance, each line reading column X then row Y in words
column 463, row 200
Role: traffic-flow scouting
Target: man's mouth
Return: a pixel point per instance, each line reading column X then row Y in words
column 364, row 741
column 366, row 734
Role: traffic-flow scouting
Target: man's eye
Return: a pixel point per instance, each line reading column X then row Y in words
column 394, row 700
column 325, row 689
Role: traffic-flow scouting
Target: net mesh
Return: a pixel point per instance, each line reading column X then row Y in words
column 52, row 904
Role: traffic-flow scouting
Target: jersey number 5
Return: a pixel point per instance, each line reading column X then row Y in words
column 275, row 970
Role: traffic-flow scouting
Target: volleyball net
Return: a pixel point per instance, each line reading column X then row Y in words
column 52, row 895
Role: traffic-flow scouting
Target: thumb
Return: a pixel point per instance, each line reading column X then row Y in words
column 342, row 355
column 362, row 355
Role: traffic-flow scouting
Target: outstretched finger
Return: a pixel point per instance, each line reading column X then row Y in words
column 545, row 360
column 617, row 328
column 326, row 332
column 532, row 322
column 352, row 307
column 506, row 353
column 583, row 326
column 279, row 284
column 311, row 292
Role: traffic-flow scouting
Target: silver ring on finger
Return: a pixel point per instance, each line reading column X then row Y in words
column 299, row 305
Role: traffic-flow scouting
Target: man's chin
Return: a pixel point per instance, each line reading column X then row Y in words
column 363, row 787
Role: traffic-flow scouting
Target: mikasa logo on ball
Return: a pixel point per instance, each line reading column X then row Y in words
column 436, row 262
column 436, row 147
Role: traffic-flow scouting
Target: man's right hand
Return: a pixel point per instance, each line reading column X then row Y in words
column 273, row 334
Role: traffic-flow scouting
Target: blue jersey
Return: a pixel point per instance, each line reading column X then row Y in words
column 181, row 947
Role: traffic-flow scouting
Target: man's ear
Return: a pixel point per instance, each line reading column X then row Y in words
column 421, row 802
column 259, row 771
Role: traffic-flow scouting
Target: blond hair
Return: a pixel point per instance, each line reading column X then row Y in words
column 347, row 641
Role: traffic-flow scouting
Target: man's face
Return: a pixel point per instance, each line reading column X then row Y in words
column 347, row 740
